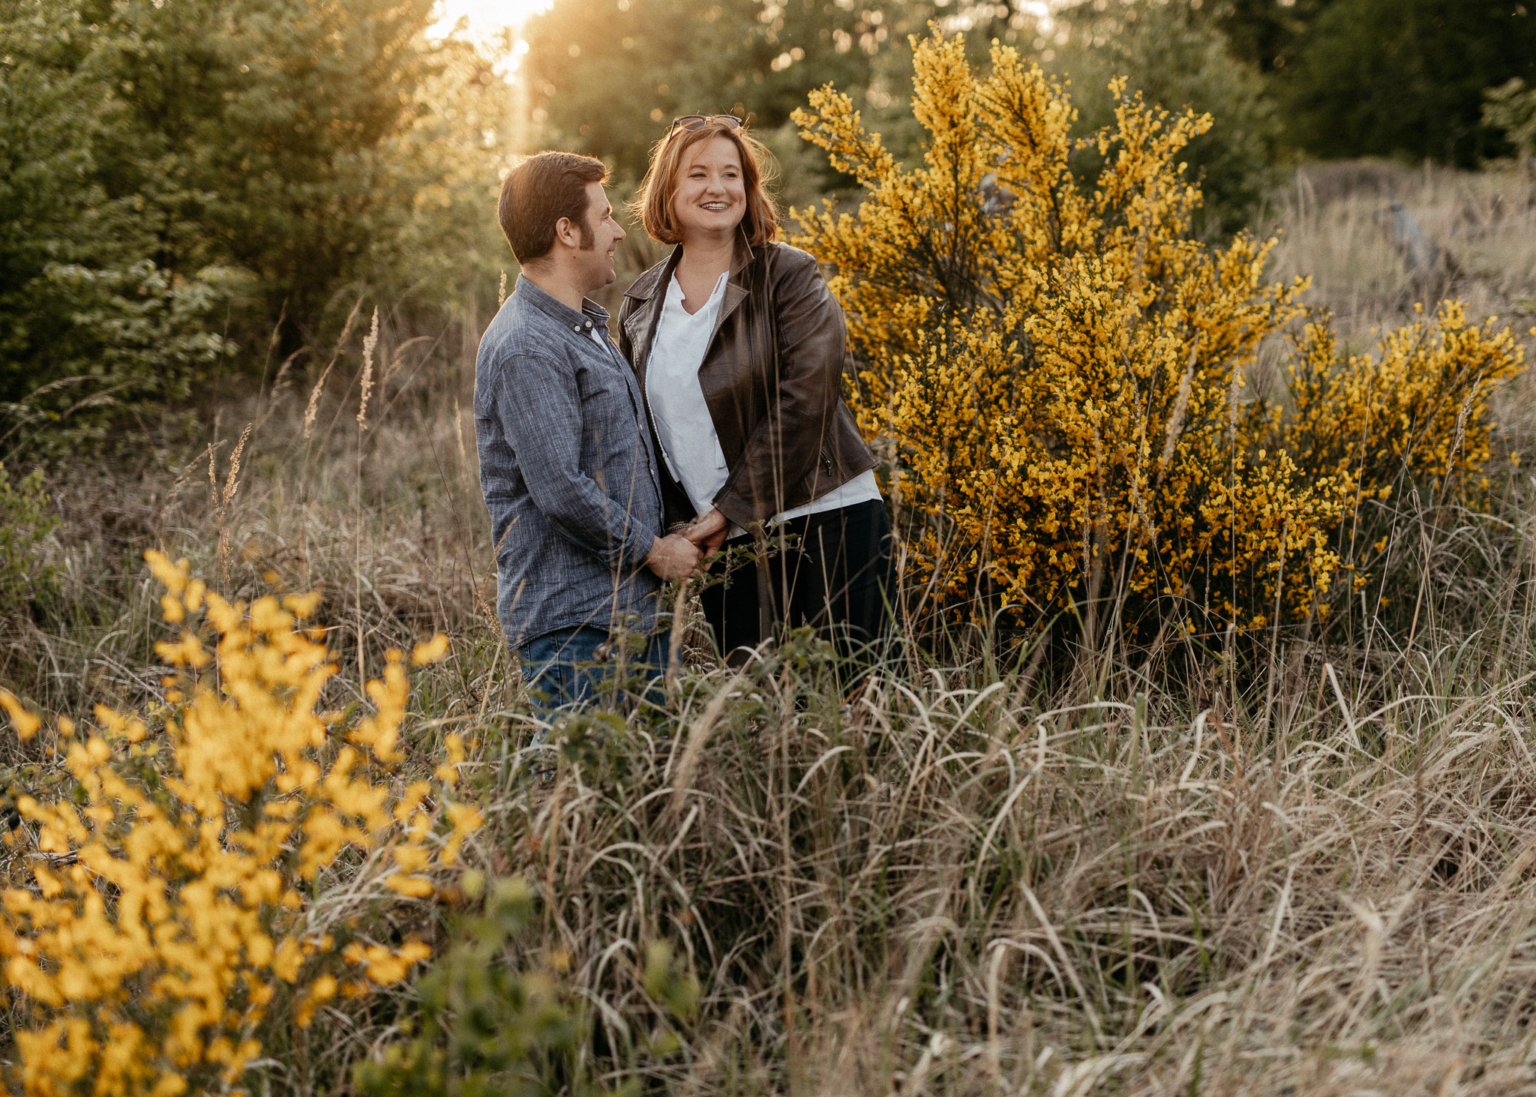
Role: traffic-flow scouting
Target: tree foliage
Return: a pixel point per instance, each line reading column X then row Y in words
column 1357, row 77
column 89, row 322
column 179, row 173
column 608, row 76
column 1263, row 33
column 1406, row 77
column 1511, row 110
column 1176, row 59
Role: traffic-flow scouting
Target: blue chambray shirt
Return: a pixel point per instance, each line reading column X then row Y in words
column 567, row 470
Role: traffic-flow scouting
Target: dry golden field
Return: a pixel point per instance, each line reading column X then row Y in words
column 1330, row 217
column 1292, row 865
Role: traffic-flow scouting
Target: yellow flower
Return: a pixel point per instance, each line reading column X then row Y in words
column 167, row 927
column 26, row 723
column 430, row 652
column 1055, row 366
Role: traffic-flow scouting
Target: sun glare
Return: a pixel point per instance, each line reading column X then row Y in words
column 485, row 19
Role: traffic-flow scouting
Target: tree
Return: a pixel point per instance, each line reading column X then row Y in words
column 166, row 163
column 608, row 76
column 1177, row 59
column 1264, row 33
column 283, row 136
column 1406, row 77
column 90, row 327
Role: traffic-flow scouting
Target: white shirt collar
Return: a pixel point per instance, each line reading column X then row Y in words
column 675, row 295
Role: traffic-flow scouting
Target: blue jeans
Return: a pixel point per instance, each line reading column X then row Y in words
column 575, row 666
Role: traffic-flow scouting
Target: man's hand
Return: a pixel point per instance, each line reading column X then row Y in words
column 708, row 531
column 673, row 557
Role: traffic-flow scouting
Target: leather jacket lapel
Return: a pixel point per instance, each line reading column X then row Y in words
column 735, row 294
column 650, row 294
column 737, row 286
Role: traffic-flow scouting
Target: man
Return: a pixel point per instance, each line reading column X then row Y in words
column 565, row 455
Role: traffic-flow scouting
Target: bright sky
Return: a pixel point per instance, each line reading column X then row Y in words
column 486, row 18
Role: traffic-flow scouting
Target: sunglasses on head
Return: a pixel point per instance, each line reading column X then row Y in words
column 694, row 121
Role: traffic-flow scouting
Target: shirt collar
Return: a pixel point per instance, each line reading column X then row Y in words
column 592, row 315
column 675, row 290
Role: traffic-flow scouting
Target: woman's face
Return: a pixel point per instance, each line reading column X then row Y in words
column 709, row 197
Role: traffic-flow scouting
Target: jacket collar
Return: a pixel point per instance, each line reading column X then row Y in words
column 656, row 279
column 650, row 294
column 744, row 253
column 735, row 285
column 645, row 287
column 641, row 323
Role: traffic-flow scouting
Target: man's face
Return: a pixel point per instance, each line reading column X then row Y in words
column 599, row 237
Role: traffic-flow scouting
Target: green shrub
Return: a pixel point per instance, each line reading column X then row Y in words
column 25, row 520
column 113, row 347
column 1177, row 60
column 485, row 1027
column 488, row 1028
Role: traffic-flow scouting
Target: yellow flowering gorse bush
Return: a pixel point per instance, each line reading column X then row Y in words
column 168, row 916
column 1416, row 412
column 1063, row 376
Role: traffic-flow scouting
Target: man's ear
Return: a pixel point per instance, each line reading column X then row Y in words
column 568, row 233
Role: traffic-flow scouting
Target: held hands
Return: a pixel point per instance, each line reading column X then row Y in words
column 673, row 557
column 677, row 555
column 708, row 531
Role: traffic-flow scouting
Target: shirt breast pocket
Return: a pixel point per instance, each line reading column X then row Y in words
column 605, row 380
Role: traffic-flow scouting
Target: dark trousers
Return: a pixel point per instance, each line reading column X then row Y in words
column 834, row 571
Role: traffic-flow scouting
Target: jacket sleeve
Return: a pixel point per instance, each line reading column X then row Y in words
column 786, row 444
column 537, row 402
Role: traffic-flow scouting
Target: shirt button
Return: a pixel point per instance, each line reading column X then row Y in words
column 576, row 327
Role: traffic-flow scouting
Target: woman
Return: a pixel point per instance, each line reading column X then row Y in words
column 739, row 349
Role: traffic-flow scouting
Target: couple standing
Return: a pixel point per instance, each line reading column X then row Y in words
column 610, row 469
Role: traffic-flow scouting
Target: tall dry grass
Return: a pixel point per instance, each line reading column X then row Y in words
column 1330, row 216
column 1295, row 865
column 968, row 887
column 387, row 520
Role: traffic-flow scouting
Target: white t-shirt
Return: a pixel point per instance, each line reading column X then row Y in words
column 689, row 443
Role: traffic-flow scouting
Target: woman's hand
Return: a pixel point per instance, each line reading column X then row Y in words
column 708, row 531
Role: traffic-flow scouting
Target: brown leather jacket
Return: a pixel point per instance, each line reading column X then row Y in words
column 787, row 435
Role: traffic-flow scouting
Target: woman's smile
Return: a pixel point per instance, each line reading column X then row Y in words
column 710, row 195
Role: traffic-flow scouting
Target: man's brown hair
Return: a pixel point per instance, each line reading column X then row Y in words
column 654, row 204
column 540, row 191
